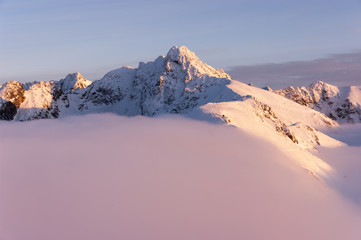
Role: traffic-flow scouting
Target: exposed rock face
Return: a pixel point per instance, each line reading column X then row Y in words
column 266, row 111
column 7, row 110
column 12, row 95
column 338, row 103
column 13, row 91
column 40, row 102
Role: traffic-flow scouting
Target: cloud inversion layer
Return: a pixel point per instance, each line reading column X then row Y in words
column 109, row 177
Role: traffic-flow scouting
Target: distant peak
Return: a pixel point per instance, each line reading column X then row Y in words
column 320, row 84
column 75, row 75
column 73, row 81
column 10, row 86
column 12, row 82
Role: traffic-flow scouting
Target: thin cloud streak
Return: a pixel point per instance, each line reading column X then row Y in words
column 338, row 69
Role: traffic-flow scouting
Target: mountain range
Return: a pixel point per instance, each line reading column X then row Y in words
column 338, row 103
column 180, row 83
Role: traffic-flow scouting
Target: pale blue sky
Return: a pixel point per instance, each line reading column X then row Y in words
column 46, row 39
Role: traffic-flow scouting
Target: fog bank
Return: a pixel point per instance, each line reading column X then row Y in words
column 109, row 177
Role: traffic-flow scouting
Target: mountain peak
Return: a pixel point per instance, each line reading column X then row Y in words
column 320, row 87
column 176, row 51
column 181, row 54
column 10, row 83
column 188, row 60
column 73, row 81
column 318, row 84
column 74, row 77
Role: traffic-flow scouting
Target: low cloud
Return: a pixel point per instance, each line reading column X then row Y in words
column 110, row 177
column 346, row 160
column 337, row 69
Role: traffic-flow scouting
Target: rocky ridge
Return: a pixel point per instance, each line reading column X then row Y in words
column 338, row 103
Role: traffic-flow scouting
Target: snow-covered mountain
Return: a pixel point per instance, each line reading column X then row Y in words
column 36, row 100
column 174, row 83
column 72, row 82
column 177, row 83
column 342, row 104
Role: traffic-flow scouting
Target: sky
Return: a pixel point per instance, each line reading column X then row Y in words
column 46, row 39
column 337, row 69
column 111, row 177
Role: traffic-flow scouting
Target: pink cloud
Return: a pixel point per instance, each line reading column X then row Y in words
column 110, row 177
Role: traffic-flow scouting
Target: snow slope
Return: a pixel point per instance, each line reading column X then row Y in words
column 289, row 126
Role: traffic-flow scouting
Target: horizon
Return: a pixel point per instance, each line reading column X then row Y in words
column 331, row 69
